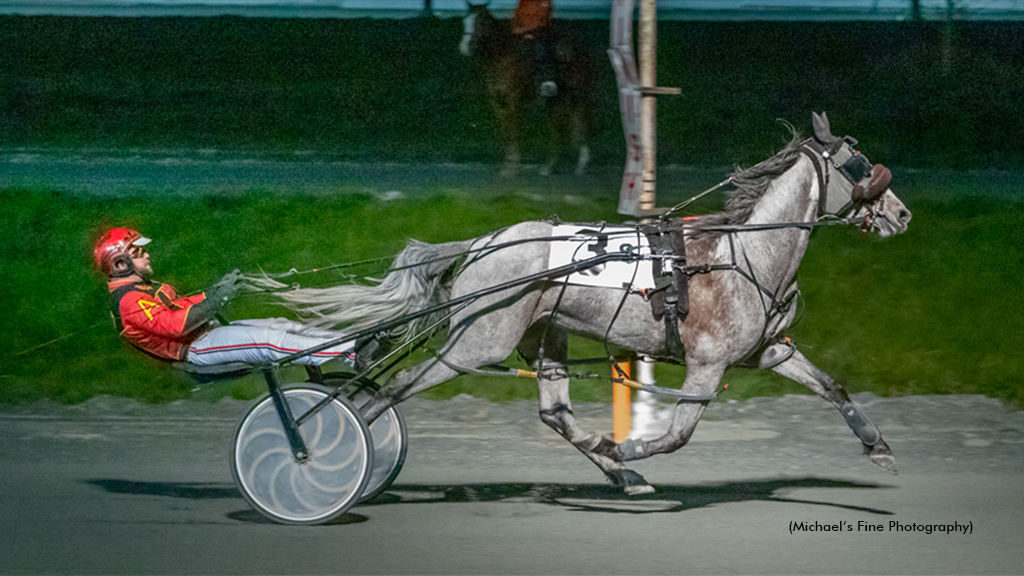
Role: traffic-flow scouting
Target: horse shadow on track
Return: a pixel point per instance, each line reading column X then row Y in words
column 608, row 498
column 578, row 497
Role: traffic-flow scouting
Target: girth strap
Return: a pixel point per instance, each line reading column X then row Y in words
column 671, row 299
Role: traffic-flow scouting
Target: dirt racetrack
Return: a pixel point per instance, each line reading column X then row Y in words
column 113, row 486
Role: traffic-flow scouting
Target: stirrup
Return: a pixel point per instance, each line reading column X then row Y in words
column 548, row 89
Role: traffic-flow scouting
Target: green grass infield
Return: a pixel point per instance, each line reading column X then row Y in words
column 937, row 310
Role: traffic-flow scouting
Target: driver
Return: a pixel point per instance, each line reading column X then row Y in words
column 153, row 318
column 531, row 21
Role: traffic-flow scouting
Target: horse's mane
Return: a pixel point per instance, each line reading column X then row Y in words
column 749, row 185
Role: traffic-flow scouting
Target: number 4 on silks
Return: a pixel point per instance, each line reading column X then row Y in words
column 595, row 249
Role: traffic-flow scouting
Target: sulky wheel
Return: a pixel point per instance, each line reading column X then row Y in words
column 390, row 439
column 312, row 492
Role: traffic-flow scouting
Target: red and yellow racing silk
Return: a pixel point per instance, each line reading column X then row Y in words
column 155, row 320
column 531, row 16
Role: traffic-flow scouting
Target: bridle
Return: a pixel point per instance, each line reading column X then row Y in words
column 861, row 183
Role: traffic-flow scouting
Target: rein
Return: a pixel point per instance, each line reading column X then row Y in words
column 385, row 326
column 729, row 228
column 488, row 247
column 814, row 150
column 773, row 306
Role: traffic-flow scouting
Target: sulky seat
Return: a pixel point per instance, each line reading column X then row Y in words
column 215, row 372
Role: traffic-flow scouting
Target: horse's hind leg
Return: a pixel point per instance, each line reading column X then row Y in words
column 558, row 130
column 799, row 369
column 567, row 129
column 405, row 384
column 701, row 379
column 556, row 406
column 508, row 110
column 483, row 333
column 581, row 137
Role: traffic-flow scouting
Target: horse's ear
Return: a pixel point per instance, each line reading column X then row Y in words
column 822, row 132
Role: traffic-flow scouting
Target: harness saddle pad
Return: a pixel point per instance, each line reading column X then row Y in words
column 595, row 240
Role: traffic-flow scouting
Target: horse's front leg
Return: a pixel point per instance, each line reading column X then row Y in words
column 799, row 369
column 701, row 380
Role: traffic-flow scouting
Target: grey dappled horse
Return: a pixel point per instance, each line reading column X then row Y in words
column 731, row 318
column 510, row 77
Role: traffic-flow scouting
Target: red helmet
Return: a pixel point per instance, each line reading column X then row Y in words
column 113, row 251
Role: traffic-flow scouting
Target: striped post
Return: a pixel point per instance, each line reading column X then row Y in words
column 648, row 104
column 622, row 417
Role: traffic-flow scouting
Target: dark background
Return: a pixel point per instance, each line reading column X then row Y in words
column 923, row 94
column 937, row 310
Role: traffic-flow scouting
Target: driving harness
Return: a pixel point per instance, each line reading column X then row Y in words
column 670, row 297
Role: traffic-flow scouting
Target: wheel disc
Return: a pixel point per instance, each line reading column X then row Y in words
column 311, row 492
column 389, row 446
column 388, row 432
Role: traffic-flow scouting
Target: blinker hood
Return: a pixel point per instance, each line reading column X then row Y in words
column 845, row 170
column 852, row 167
column 839, row 156
column 856, row 166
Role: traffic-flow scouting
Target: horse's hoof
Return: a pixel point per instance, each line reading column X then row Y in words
column 882, row 457
column 638, row 490
column 634, row 484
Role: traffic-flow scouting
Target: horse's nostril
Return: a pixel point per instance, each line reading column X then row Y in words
column 904, row 216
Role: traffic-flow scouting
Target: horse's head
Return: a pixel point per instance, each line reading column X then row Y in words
column 855, row 187
column 477, row 17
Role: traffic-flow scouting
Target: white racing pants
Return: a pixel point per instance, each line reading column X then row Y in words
column 266, row 340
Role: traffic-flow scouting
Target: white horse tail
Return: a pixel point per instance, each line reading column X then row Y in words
column 420, row 277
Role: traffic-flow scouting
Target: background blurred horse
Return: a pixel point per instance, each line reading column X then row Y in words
column 512, row 84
